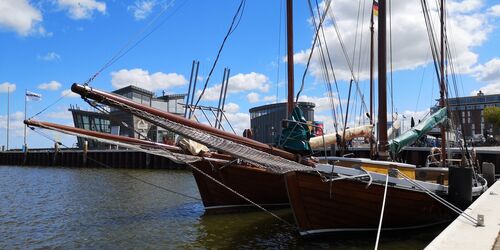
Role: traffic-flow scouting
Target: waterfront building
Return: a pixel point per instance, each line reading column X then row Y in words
column 266, row 120
column 90, row 120
column 122, row 123
column 470, row 110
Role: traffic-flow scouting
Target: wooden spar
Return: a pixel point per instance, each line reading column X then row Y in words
column 123, row 139
column 102, row 97
column 382, row 83
column 118, row 138
column 372, row 48
column 442, row 87
column 289, row 35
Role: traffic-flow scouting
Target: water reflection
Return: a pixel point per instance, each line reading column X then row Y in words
column 103, row 208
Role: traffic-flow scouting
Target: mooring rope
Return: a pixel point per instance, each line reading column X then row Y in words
column 441, row 200
column 382, row 212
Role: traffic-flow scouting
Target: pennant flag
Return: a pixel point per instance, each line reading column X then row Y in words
column 30, row 96
column 375, row 8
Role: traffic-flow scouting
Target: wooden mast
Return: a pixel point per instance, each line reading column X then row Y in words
column 382, row 83
column 289, row 32
column 372, row 47
column 442, row 87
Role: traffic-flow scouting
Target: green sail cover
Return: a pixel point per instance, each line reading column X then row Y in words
column 295, row 137
column 396, row 145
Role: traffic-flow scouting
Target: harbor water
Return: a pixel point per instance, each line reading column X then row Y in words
column 42, row 207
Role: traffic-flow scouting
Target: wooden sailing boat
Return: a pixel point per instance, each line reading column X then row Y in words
column 218, row 166
column 349, row 194
column 221, row 183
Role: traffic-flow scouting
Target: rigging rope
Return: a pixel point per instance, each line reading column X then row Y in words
column 52, row 104
column 382, row 212
column 326, row 74
column 136, row 39
column 390, row 58
column 126, row 48
column 234, row 24
column 349, row 64
column 279, row 52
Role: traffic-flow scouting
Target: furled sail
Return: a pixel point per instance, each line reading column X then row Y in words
column 391, row 132
column 320, row 142
column 398, row 144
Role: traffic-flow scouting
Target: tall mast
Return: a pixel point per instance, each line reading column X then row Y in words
column 382, row 83
column 442, row 87
column 372, row 47
column 8, row 114
column 289, row 32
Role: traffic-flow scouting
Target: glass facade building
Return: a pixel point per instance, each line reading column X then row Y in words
column 122, row 123
column 90, row 120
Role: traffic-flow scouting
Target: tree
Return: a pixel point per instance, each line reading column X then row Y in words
column 492, row 115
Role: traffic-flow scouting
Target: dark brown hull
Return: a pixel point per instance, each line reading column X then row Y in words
column 260, row 186
column 353, row 207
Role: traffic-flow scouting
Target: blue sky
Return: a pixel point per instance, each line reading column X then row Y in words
column 47, row 45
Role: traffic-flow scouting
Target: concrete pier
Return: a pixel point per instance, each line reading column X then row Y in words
column 462, row 234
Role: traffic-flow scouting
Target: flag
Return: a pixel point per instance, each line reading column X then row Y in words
column 30, row 96
column 375, row 8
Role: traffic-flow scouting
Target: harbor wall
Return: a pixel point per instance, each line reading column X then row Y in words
column 92, row 159
column 138, row 159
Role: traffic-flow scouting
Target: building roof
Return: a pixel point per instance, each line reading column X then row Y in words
column 280, row 105
column 133, row 88
column 172, row 96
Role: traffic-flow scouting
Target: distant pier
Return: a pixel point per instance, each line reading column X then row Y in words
column 93, row 159
column 137, row 159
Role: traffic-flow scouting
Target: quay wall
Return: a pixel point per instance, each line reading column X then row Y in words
column 93, row 159
column 138, row 159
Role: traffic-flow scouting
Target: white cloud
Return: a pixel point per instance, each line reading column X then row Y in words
column 270, row 98
column 253, row 97
column 231, row 107
column 468, row 28
column 7, row 86
column 490, row 89
column 142, row 8
column 52, row 85
column 51, row 56
column 81, row 9
column 239, row 83
column 489, row 72
column 494, row 10
column 69, row 93
column 145, row 80
column 16, row 123
column 465, row 6
column 322, row 103
column 20, row 16
column 239, row 121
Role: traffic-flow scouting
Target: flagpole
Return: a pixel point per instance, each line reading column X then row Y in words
column 8, row 115
column 25, row 102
